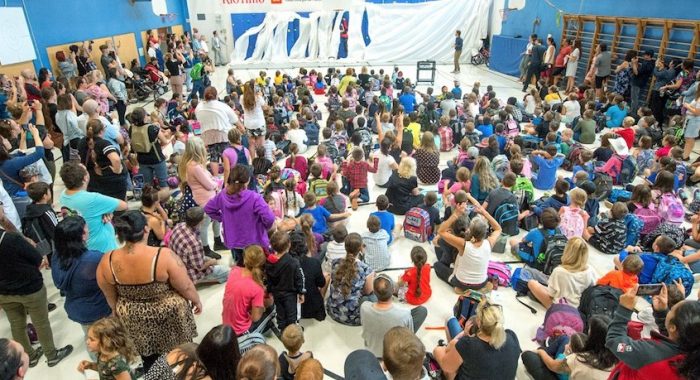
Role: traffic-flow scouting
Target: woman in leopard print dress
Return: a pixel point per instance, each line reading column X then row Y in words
column 149, row 290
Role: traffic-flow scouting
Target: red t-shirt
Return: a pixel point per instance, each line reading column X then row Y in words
column 559, row 59
column 410, row 278
column 241, row 295
column 663, row 151
column 627, row 134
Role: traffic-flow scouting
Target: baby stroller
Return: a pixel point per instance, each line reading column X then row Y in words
column 137, row 88
column 157, row 80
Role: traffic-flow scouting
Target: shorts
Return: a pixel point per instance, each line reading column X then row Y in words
column 599, row 81
column 692, row 128
column 558, row 70
column 257, row 132
column 215, row 151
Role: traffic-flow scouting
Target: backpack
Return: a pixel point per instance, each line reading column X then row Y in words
column 603, row 186
column 196, row 72
column 670, row 269
column 634, row 227
column 649, row 216
column 312, row 133
column 279, row 199
column 499, row 271
column 429, row 121
column 671, row 230
column 466, row 305
column 598, row 300
column 671, row 209
column 333, row 102
column 512, row 128
column 457, row 131
column 500, row 166
column 387, row 102
column 573, row 158
column 407, row 141
column 524, row 191
column 628, row 170
column 560, row 319
column 417, row 225
column 572, row 223
column 366, row 143
column 140, row 142
column 506, row 215
column 319, row 188
column 551, row 252
column 31, row 228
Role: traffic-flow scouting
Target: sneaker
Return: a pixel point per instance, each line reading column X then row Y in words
column 209, row 253
column 219, row 245
column 34, row 358
column 61, row 354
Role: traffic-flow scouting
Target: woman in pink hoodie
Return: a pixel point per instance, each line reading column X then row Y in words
column 192, row 171
column 244, row 213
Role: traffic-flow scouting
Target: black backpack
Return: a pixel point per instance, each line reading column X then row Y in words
column 598, row 300
column 551, row 252
column 506, row 214
column 31, row 228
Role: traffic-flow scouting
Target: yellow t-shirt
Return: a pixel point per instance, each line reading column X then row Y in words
column 415, row 131
column 344, row 84
column 278, row 80
column 552, row 98
column 260, row 81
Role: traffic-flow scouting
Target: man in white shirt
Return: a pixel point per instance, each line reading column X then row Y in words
column 379, row 317
column 203, row 47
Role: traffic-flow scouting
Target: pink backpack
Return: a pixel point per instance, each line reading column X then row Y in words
column 500, row 271
column 416, row 225
column 648, row 215
column 560, row 319
column 279, row 207
column 572, row 223
column 671, row 209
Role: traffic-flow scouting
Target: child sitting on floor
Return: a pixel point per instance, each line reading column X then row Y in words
column 416, row 280
column 386, row 219
column 610, row 234
column 626, row 278
column 376, row 241
column 292, row 338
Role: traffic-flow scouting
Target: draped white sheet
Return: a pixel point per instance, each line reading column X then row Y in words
column 398, row 32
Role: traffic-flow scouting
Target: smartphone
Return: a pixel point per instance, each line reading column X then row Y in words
column 649, row 289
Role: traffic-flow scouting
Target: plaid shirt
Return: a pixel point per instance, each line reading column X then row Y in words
column 356, row 172
column 186, row 244
column 445, row 139
column 376, row 249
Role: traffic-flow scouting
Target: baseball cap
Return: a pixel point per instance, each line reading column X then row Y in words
column 472, row 152
column 363, row 365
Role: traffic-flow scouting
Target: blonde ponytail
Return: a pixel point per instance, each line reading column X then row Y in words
column 492, row 324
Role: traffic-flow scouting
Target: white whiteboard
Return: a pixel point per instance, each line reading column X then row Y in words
column 15, row 41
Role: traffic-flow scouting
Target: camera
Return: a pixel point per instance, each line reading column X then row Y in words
column 73, row 48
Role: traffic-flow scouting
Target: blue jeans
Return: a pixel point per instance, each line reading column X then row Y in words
column 218, row 274
column 694, row 266
column 197, row 88
column 151, row 171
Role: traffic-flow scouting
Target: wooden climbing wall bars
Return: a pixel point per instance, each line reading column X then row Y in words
column 667, row 38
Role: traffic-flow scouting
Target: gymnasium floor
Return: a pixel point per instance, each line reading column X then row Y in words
column 329, row 341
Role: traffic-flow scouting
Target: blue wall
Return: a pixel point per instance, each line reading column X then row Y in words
column 520, row 22
column 56, row 22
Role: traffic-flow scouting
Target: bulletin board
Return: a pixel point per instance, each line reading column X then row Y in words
column 16, row 43
column 126, row 46
column 15, row 69
column 127, row 51
column 178, row 30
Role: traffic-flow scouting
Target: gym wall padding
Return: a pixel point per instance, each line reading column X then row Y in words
column 386, row 32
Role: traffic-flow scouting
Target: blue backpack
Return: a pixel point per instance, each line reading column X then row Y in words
column 507, row 216
column 628, row 170
column 312, row 130
column 634, row 229
column 669, row 269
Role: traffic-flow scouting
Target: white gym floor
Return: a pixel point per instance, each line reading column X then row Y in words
column 331, row 342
